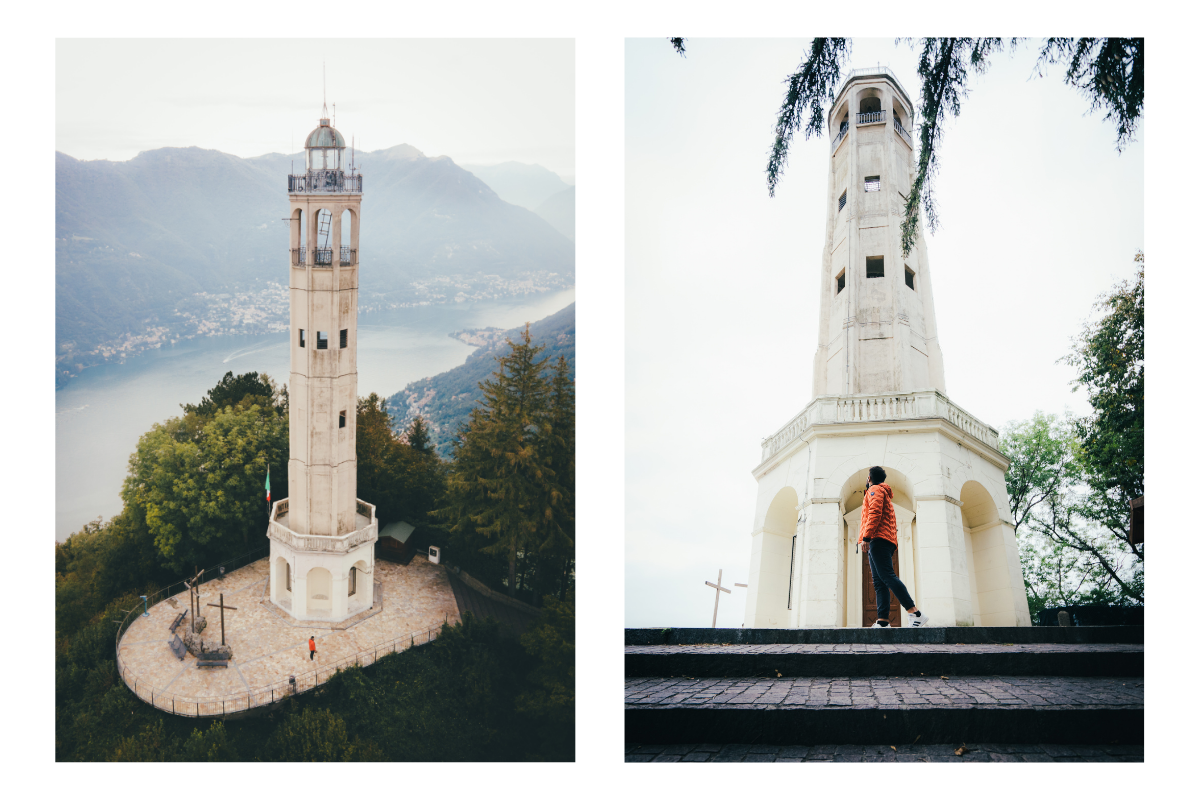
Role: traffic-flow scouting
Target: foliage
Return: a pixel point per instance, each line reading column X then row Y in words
column 1067, row 559
column 403, row 482
column 417, row 436
column 1110, row 356
column 444, row 401
column 504, row 495
column 678, row 43
column 200, row 489
column 1108, row 71
column 249, row 388
column 551, row 699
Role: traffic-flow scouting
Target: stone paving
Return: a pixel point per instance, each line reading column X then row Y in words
column 887, row 693
column 266, row 649
column 926, row 753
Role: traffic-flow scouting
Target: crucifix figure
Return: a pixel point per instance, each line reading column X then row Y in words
column 194, row 597
column 719, row 589
column 221, row 605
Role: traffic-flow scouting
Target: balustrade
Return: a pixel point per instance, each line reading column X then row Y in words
column 900, row 130
column 869, row 117
column 878, row 408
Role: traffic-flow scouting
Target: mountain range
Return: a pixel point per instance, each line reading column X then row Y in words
column 445, row 401
column 142, row 245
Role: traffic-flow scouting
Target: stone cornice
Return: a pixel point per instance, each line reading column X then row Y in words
column 933, row 497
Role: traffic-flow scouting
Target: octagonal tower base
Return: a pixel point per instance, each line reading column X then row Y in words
column 957, row 550
column 322, row 578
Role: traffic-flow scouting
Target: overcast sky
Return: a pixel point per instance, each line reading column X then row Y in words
column 479, row 101
column 1038, row 216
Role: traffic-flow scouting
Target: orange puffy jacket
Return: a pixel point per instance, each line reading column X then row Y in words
column 878, row 516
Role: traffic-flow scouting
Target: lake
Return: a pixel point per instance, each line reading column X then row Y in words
column 100, row 415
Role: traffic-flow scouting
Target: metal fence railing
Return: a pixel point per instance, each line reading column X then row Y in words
column 188, row 706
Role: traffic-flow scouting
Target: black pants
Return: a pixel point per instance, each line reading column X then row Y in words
column 880, row 558
column 311, row 653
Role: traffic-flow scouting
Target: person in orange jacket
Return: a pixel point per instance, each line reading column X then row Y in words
column 312, row 648
column 878, row 537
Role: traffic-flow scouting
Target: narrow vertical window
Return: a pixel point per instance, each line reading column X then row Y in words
column 842, row 201
column 871, row 184
column 322, row 340
column 287, row 571
column 353, row 580
column 343, row 337
column 841, row 282
column 874, row 266
column 910, row 279
column 302, row 337
column 341, row 419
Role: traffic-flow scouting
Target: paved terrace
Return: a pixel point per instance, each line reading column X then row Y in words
column 269, row 647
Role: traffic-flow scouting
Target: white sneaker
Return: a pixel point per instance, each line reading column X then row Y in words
column 880, row 623
column 916, row 620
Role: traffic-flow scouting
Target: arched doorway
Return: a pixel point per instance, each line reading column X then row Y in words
column 988, row 559
column 860, row 588
column 282, row 582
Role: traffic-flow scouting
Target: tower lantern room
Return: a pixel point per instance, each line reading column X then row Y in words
column 324, row 148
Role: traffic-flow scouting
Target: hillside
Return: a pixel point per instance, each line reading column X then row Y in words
column 559, row 211
column 526, row 185
column 446, row 400
column 154, row 248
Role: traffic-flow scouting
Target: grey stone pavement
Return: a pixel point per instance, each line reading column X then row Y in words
column 884, row 692
column 925, row 753
column 781, row 649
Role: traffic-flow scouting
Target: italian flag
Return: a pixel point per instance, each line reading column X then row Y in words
column 268, row 484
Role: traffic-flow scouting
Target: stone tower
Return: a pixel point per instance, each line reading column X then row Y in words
column 322, row 536
column 879, row 398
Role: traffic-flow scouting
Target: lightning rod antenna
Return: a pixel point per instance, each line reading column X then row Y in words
column 324, row 108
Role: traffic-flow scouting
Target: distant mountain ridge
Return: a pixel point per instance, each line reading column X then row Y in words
column 525, row 185
column 136, row 242
column 445, row 401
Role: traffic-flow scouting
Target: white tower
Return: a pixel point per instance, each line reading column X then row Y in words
column 879, row 398
column 322, row 535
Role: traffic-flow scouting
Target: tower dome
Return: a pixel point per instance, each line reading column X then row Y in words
column 324, row 147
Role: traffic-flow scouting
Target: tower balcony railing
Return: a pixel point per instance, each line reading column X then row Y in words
column 367, row 531
column 838, row 139
column 348, row 256
column 327, row 181
column 905, row 135
column 836, row 410
column 869, row 118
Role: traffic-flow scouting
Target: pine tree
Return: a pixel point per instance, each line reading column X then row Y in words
column 501, row 482
column 418, row 436
column 558, row 548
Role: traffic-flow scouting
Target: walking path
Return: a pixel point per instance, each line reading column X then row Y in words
column 267, row 648
column 514, row 621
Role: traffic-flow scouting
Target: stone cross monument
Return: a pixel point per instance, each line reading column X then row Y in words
column 879, row 399
column 322, row 536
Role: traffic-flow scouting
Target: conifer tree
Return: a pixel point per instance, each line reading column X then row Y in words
column 418, row 436
column 501, row 482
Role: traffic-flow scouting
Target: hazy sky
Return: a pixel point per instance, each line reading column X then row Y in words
column 1038, row 216
column 480, row 101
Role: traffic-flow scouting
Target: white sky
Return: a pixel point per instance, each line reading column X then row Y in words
column 479, row 101
column 1038, row 216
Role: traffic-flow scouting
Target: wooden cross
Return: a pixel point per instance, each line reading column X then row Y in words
column 221, row 605
column 719, row 589
column 194, row 602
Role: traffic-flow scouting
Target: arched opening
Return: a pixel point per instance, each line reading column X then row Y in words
column 322, row 221
column 900, row 114
column 320, row 590
column 282, row 581
column 349, row 252
column 359, row 586
column 840, row 121
column 297, row 244
column 870, row 104
column 774, row 564
column 860, row 589
column 987, row 557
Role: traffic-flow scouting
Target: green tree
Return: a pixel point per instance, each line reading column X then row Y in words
column 403, row 482
column 1109, row 72
column 310, row 735
column 418, row 437
column 1110, row 356
column 200, row 490
column 501, row 486
column 231, row 390
column 550, row 700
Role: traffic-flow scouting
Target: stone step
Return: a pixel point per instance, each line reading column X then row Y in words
column 857, row 753
column 1099, row 634
column 1004, row 709
column 864, row 660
